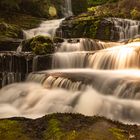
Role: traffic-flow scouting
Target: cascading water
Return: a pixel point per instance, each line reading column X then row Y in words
column 48, row 28
column 14, row 67
column 67, row 8
column 124, row 28
column 87, row 88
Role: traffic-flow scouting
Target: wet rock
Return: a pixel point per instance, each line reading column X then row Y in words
column 9, row 44
column 42, row 62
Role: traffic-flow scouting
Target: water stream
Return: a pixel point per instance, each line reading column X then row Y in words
column 87, row 76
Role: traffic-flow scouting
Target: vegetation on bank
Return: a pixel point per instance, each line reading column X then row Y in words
column 99, row 2
column 66, row 127
column 117, row 8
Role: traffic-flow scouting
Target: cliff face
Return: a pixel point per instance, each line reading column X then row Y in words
column 66, row 127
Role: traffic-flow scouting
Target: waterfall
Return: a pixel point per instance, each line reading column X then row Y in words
column 81, row 44
column 46, row 28
column 68, row 8
column 118, row 57
column 87, row 76
column 14, row 67
column 68, row 60
column 35, row 101
column 124, row 28
column 120, row 83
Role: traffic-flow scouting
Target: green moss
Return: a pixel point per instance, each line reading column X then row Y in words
column 93, row 29
column 118, row 133
column 8, row 30
column 39, row 45
column 12, row 130
column 54, row 130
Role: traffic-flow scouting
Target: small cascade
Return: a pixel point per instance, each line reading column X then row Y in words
column 124, row 28
column 67, row 9
column 68, row 60
column 120, row 83
column 62, row 82
column 35, row 101
column 81, row 44
column 117, row 57
column 14, row 67
column 46, row 28
column 120, row 57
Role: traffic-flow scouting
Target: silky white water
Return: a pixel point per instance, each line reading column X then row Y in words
column 124, row 28
column 46, row 28
column 33, row 101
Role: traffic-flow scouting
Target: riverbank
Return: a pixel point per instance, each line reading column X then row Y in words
column 67, row 127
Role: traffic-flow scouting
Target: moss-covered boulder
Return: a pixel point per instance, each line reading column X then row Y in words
column 67, row 127
column 39, row 45
column 86, row 25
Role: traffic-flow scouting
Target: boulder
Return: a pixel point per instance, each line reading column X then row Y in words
column 39, row 45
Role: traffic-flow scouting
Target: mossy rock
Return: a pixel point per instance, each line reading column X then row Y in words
column 7, row 30
column 12, row 130
column 66, row 127
column 39, row 45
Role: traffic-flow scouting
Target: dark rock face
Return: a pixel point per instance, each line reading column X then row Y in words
column 9, row 44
